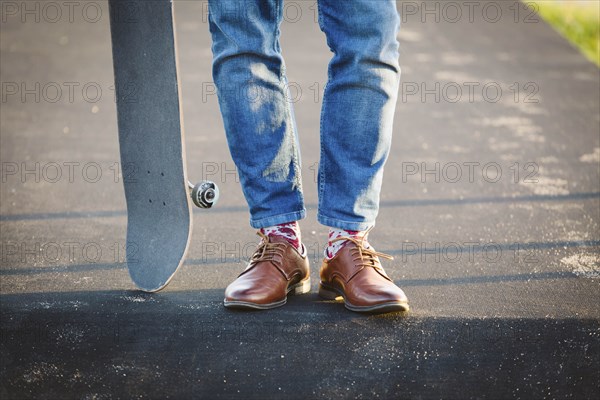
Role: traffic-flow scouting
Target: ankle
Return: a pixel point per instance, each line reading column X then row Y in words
column 333, row 246
column 290, row 231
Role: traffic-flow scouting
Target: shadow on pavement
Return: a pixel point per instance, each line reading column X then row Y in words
column 186, row 345
column 384, row 204
column 405, row 254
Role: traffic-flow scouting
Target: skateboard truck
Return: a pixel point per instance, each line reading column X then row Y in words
column 204, row 194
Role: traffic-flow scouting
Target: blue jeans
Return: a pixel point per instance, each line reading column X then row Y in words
column 356, row 117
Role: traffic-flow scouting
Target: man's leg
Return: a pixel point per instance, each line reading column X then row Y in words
column 358, row 108
column 249, row 74
column 356, row 131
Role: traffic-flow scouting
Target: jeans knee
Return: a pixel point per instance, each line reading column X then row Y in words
column 370, row 65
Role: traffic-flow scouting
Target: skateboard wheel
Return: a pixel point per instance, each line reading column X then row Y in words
column 205, row 194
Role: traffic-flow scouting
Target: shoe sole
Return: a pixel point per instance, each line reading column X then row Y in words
column 331, row 293
column 301, row 287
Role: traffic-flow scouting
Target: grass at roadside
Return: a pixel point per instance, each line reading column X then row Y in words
column 577, row 20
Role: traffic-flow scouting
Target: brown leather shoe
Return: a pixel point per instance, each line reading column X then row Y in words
column 276, row 269
column 356, row 275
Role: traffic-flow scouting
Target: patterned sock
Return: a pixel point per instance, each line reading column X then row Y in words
column 333, row 248
column 289, row 230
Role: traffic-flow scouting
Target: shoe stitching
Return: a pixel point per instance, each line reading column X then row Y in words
column 267, row 251
column 273, row 252
column 365, row 258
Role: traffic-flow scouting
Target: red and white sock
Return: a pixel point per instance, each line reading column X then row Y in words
column 289, row 230
column 334, row 247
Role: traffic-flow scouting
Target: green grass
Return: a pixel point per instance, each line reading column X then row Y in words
column 577, row 20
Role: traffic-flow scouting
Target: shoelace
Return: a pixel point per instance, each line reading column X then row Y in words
column 362, row 256
column 266, row 250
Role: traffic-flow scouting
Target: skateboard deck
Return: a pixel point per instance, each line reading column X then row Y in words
column 151, row 140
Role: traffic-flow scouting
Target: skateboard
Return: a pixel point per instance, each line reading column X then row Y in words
column 151, row 141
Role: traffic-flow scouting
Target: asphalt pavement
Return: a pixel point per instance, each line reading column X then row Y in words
column 490, row 206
